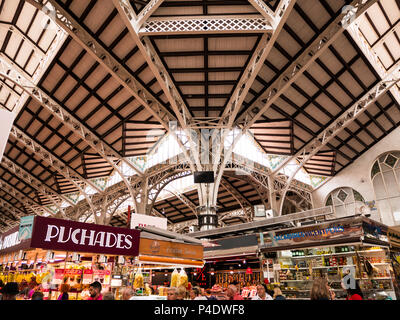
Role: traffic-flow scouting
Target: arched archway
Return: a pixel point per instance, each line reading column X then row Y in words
column 385, row 179
column 346, row 202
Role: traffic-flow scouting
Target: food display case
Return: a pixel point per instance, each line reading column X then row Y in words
column 333, row 249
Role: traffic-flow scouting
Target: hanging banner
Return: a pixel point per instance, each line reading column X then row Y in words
column 314, row 235
column 7, row 119
column 67, row 235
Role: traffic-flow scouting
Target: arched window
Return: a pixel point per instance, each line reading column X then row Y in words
column 345, row 201
column 385, row 177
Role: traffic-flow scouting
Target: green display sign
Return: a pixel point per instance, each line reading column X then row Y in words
column 25, row 228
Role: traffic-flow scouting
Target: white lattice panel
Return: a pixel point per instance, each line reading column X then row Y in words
column 206, row 25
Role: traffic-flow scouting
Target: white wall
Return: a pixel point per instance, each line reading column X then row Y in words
column 358, row 174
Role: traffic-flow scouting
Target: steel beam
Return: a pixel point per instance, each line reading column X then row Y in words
column 372, row 56
column 246, row 81
column 27, row 202
column 184, row 118
column 342, row 122
column 33, row 182
column 297, row 67
column 10, row 72
column 107, row 60
column 146, row 12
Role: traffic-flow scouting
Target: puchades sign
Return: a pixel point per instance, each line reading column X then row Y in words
column 66, row 235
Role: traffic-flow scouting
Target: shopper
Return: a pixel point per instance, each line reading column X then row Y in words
column 262, row 293
column 172, row 293
column 232, row 293
column 354, row 292
column 95, row 291
column 108, row 296
column 9, row 291
column 64, row 292
column 181, row 293
column 320, row 290
column 127, row 294
column 37, row 295
column 278, row 294
column 195, row 294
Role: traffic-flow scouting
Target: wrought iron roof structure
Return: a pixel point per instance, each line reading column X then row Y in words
column 97, row 85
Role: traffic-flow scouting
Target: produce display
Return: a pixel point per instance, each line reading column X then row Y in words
column 174, row 278
column 183, row 279
column 139, row 281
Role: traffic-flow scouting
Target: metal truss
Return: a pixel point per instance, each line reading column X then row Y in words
column 146, row 12
column 105, row 59
column 372, row 56
column 35, row 183
column 185, row 200
column 80, row 211
column 255, row 64
column 342, row 122
column 14, row 211
column 310, row 54
column 208, row 24
column 159, row 185
column 10, row 72
column 26, row 201
column 243, row 202
column 184, row 118
column 79, row 182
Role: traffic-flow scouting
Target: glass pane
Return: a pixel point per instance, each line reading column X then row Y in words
column 342, row 195
column 340, row 211
column 385, row 167
column 358, row 196
column 390, row 160
column 391, row 184
column 382, row 158
column 329, row 201
column 350, row 195
column 396, row 154
column 350, row 209
column 379, row 187
column 375, row 169
column 395, row 203
column 386, row 212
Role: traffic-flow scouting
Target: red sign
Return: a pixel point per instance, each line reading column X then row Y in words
column 66, row 235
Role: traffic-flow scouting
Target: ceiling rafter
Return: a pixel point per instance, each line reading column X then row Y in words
column 33, row 182
column 297, row 67
column 66, row 21
column 23, row 199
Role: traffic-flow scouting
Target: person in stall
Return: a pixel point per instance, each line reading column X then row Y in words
column 232, row 293
column 95, row 291
column 262, row 293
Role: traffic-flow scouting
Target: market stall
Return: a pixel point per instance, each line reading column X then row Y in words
column 230, row 260
column 53, row 252
column 332, row 249
column 57, row 251
column 164, row 259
